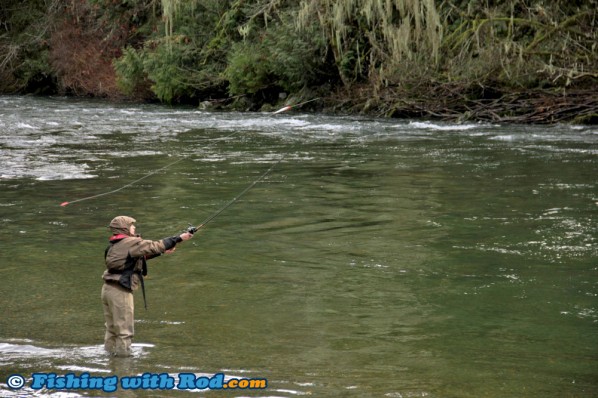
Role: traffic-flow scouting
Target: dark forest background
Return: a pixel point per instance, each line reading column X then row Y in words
column 518, row 61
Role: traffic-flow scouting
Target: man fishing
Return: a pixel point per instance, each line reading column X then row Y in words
column 126, row 266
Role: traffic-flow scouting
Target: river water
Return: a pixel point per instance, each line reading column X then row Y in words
column 379, row 258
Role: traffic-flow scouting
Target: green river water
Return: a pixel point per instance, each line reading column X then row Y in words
column 379, row 258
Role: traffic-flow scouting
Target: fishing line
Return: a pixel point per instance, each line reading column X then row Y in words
column 193, row 229
column 233, row 200
column 64, row 204
column 283, row 109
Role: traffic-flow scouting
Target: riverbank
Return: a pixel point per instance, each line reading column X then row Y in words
column 579, row 106
column 445, row 103
column 522, row 62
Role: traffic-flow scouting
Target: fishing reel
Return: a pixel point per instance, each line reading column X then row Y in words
column 191, row 229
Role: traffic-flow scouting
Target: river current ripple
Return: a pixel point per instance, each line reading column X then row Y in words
column 381, row 257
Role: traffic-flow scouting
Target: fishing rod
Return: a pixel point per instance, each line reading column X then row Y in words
column 191, row 229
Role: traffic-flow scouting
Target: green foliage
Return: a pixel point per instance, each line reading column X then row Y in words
column 193, row 50
column 370, row 38
column 298, row 59
column 522, row 45
column 163, row 64
column 17, row 17
column 247, row 70
column 173, row 62
column 23, row 49
column 282, row 58
column 34, row 69
column 130, row 71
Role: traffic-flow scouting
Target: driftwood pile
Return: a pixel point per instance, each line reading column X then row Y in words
column 579, row 106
